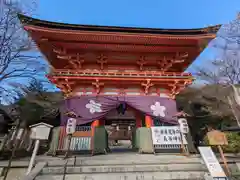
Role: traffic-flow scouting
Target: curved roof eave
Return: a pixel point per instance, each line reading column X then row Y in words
column 26, row 20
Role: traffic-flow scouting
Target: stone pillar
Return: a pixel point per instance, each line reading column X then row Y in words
column 148, row 121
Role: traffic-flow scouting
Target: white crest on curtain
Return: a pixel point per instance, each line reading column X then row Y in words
column 94, row 107
column 158, row 110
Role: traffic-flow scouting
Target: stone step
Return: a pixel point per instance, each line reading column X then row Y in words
column 125, row 168
column 101, row 161
column 128, row 176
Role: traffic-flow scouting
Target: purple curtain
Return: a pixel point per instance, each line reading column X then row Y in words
column 90, row 108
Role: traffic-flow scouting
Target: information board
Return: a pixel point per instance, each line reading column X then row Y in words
column 217, row 138
column 167, row 135
column 212, row 163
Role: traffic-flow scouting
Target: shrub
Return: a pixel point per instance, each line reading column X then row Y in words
column 233, row 143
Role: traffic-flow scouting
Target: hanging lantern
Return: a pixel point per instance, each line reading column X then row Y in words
column 117, row 128
column 121, row 109
column 124, row 108
column 129, row 128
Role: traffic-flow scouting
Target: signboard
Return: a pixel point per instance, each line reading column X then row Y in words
column 71, row 126
column 212, row 163
column 217, row 138
column 40, row 131
column 183, row 125
column 167, row 135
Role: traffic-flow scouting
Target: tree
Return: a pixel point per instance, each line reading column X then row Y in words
column 31, row 107
column 226, row 66
column 224, row 72
column 18, row 58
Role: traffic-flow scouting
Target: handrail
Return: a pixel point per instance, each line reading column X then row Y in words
column 110, row 73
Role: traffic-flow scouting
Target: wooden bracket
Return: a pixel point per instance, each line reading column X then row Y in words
column 174, row 88
column 142, row 61
column 177, row 87
column 65, row 86
column 101, row 59
column 77, row 61
column 181, row 57
column 167, row 63
column 97, row 85
column 147, row 86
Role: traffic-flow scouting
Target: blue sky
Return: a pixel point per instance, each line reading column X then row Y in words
column 142, row 13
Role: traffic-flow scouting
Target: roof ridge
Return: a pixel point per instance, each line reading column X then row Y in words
column 27, row 20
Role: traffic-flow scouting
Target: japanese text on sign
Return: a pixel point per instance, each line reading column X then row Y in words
column 211, row 162
column 167, row 135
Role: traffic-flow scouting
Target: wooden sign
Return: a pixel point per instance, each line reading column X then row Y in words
column 40, row 131
column 216, row 138
column 71, row 126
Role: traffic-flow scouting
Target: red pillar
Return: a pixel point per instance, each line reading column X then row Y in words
column 102, row 122
column 95, row 123
column 138, row 120
column 148, row 121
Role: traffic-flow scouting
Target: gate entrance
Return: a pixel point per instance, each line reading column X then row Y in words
column 120, row 129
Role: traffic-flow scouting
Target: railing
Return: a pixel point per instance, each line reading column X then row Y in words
column 81, row 140
column 60, row 72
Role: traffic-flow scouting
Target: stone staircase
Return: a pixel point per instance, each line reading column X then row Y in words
column 124, row 167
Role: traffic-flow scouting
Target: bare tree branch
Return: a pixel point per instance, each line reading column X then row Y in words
column 223, row 71
column 18, row 60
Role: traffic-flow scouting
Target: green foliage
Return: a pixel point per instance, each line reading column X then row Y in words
column 29, row 112
column 233, row 142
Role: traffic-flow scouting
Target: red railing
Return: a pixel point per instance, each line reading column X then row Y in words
column 119, row 74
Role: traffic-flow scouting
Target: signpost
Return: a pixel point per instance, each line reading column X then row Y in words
column 71, row 126
column 212, row 163
column 39, row 132
column 184, row 130
column 218, row 138
column 70, row 129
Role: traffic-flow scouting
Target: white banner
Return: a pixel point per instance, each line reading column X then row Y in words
column 71, row 126
column 183, row 125
column 167, row 135
column 211, row 162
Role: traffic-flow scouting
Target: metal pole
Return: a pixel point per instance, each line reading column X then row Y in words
column 68, row 146
column 31, row 163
